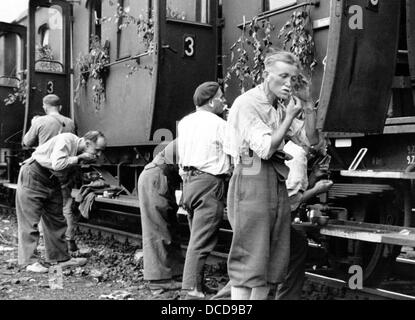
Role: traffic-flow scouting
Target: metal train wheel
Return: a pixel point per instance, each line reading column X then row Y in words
column 375, row 259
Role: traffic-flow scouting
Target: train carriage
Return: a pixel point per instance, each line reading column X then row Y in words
column 363, row 80
column 12, row 109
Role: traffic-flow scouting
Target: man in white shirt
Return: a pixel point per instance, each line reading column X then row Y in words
column 39, row 195
column 204, row 167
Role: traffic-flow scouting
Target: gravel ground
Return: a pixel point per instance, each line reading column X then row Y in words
column 114, row 271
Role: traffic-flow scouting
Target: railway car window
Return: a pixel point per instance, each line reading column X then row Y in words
column 188, row 10
column 12, row 58
column 49, row 39
column 123, row 31
column 95, row 15
column 278, row 4
column 44, row 34
column 127, row 30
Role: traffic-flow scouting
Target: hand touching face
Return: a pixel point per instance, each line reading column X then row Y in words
column 300, row 87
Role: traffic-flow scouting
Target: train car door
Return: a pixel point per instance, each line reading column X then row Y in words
column 12, row 65
column 361, row 61
column 410, row 34
column 49, row 55
column 187, row 57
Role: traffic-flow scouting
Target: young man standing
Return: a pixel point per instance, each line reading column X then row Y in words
column 258, row 207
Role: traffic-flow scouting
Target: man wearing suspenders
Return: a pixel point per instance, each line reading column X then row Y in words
column 44, row 128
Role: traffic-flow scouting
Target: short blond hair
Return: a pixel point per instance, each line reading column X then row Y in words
column 275, row 56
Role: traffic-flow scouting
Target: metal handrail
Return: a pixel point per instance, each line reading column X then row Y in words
column 147, row 53
column 274, row 12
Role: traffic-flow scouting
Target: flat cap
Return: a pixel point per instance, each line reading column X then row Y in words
column 52, row 100
column 204, row 92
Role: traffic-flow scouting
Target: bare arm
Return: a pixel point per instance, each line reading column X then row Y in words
column 320, row 187
column 311, row 123
column 30, row 139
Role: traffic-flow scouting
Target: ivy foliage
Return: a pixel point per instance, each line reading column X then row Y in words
column 295, row 32
column 144, row 24
column 20, row 91
column 249, row 51
column 145, row 28
column 255, row 40
column 93, row 65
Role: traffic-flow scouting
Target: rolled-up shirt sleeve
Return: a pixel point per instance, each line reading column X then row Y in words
column 254, row 131
column 60, row 156
column 297, row 133
column 30, row 139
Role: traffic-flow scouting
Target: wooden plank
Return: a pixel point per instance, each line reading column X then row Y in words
column 378, row 174
column 410, row 128
column 342, row 232
column 370, row 232
column 400, row 121
column 122, row 200
column 380, row 227
column 368, row 185
column 399, row 239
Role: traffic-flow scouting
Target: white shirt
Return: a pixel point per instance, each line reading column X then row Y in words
column 297, row 181
column 58, row 153
column 200, row 143
column 251, row 121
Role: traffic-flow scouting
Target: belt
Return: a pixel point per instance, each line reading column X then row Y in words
column 196, row 172
column 45, row 172
column 193, row 171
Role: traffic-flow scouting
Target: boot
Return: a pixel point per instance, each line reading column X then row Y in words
column 72, row 247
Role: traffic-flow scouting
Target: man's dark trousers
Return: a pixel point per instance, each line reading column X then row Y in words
column 203, row 199
column 38, row 196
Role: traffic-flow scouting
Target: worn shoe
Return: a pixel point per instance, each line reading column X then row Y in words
column 37, row 267
column 72, row 247
column 209, row 290
column 224, row 293
column 192, row 295
column 164, row 285
column 73, row 262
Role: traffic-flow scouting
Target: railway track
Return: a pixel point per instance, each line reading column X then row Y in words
column 317, row 281
column 331, row 287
